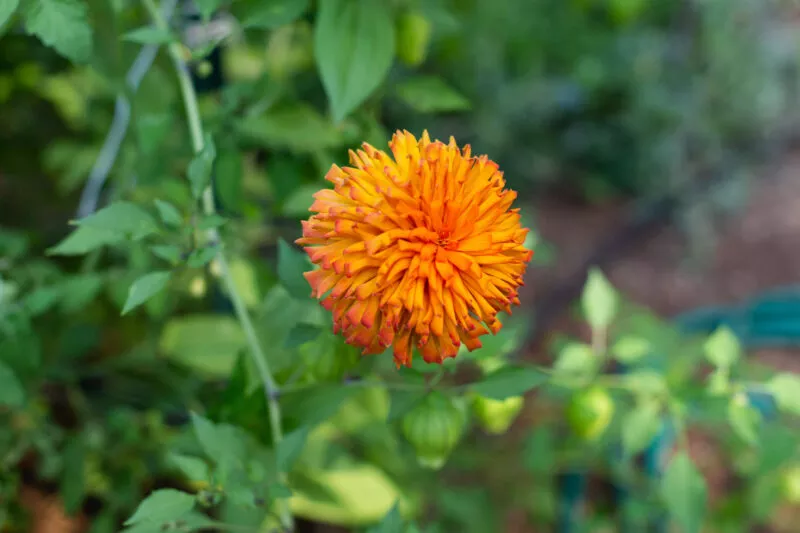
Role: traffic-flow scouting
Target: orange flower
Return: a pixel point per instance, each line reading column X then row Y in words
column 420, row 250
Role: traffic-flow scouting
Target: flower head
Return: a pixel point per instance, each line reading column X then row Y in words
column 417, row 250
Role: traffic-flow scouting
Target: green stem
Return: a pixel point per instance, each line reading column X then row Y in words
column 257, row 353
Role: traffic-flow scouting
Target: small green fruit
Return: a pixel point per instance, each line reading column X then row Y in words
column 434, row 427
column 496, row 416
column 589, row 412
column 413, row 38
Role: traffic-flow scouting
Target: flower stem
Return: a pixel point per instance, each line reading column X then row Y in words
column 257, row 353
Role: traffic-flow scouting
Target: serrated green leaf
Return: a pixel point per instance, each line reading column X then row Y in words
column 630, row 349
column 301, row 334
column 201, row 256
column 353, row 48
column 7, row 9
column 292, row 263
column 639, row 427
column 168, row 252
column 785, row 388
column 12, row 394
column 684, row 492
column 162, row 506
column 149, row 35
column 599, row 300
column 430, row 94
column 145, row 288
column 402, row 401
column 509, row 381
column 85, row 239
column 270, row 14
column 63, row 25
column 722, row 348
column 223, row 444
column 169, row 213
column 124, row 218
column 201, row 166
column 290, row 447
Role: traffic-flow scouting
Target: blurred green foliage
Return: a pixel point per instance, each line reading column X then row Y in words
column 596, row 97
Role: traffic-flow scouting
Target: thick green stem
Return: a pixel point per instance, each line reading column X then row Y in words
column 257, row 353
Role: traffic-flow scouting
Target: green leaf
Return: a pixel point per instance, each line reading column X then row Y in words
column 12, row 394
column 301, row 334
column 630, row 349
column 124, row 218
column 270, row 14
column 201, row 256
column 145, row 288
column 290, row 447
column 684, row 492
column 298, row 128
column 168, row 252
column 298, row 202
column 639, row 427
column 509, row 381
column 206, row 343
column 77, row 291
column 292, row 263
column 211, row 221
column 71, row 487
column 194, row 468
column 576, row 360
column 723, row 348
column 169, row 213
column 599, row 300
column 785, row 388
column 392, row 523
column 149, row 35
column 164, row 505
column 311, row 407
column 85, row 239
column 743, row 418
column 201, row 166
column 63, row 25
column 207, row 8
column 223, row 444
column 430, row 94
column 353, row 48
column 7, row 9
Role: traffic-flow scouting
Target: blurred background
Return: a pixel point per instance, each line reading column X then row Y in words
column 654, row 139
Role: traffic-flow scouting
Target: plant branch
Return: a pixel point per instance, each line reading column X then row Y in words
column 257, row 353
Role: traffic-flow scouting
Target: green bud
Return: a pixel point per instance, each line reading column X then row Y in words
column 496, row 416
column 434, row 427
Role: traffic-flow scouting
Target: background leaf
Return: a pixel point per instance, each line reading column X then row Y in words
column 62, row 24
column 162, row 506
column 145, row 288
column 684, row 492
column 353, row 47
column 430, row 94
column 509, row 381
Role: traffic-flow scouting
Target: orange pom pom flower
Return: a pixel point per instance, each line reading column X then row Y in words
column 419, row 250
